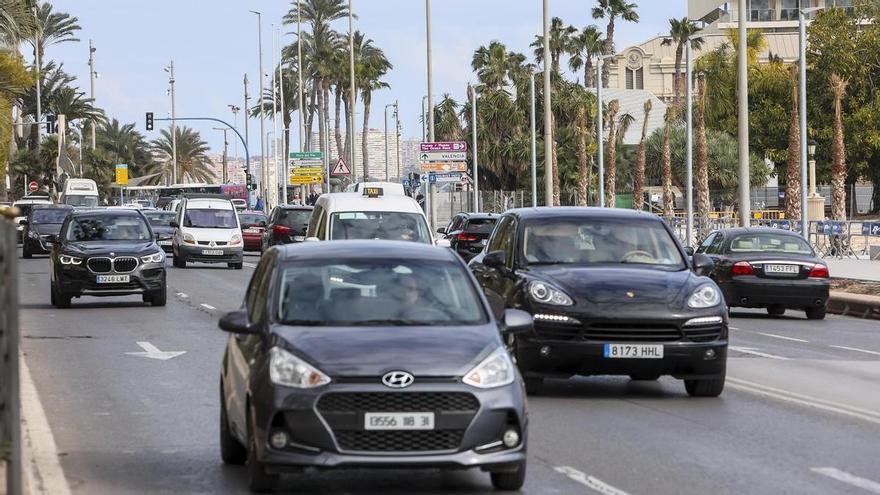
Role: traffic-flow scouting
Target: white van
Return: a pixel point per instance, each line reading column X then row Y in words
column 208, row 231
column 81, row 193
column 369, row 214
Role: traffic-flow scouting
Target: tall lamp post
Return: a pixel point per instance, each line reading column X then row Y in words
column 745, row 207
column 475, row 152
column 548, row 112
column 802, row 107
column 225, row 154
column 352, row 95
column 689, row 74
column 394, row 106
column 264, row 170
column 600, row 129
column 92, row 76
column 170, row 70
column 534, row 148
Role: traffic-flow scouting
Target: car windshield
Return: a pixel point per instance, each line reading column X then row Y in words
column 209, row 218
column 387, row 225
column 49, row 215
column 160, row 218
column 769, row 242
column 107, row 227
column 607, row 241
column 298, row 220
column 380, row 292
column 480, row 225
column 85, row 201
column 251, row 219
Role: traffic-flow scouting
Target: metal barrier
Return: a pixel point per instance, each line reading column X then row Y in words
column 10, row 414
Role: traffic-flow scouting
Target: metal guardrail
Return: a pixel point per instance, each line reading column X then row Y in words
column 10, row 413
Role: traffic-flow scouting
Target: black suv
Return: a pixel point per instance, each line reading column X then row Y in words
column 287, row 224
column 468, row 233
column 106, row 253
column 41, row 223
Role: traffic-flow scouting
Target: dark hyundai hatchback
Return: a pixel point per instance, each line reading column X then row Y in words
column 370, row 354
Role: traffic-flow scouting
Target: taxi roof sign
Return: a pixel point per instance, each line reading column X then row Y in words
column 374, row 192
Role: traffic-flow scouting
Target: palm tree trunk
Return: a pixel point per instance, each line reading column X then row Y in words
column 365, row 152
column 588, row 73
column 676, row 78
column 641, row 158
column 838, row 152
column 321, row 118
column 326, row 108
column 310, row 119
column 702, row 166
column 611, row 162
column 582, row 157
column 609, row 49
column 793, row 160
column 666, row 154
column 338, row 123
column 555, row 162
column 347, row 144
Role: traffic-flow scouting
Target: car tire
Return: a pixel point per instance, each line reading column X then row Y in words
column 59, row 299
column 180, row 261
column 259, row 481
column 708, row 387
column 776, row 310
column 236, row 266
column 644, row 377
column 510, row 481
column 231, row 450
column 160, row 297
column 25, row 252
column 816, row 313
column 534, row 385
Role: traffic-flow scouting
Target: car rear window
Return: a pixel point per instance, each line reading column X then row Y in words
column 481, row 225
column 387, row 225
column 209, row 218
column 770, row 242
column 251, row 218
column 160, row 218
column 50, row 215
column 295, row 219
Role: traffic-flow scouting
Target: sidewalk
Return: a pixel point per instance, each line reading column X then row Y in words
column 852, row 268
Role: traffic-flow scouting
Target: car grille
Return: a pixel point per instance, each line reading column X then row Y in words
column 626, row 332
column 125, row 264
column 216, row 243
column 399, row 441
column 398, row 402
column 100, row 265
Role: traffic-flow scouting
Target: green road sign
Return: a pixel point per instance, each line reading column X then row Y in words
column 313, row 155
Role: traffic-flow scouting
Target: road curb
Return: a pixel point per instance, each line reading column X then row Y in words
column 856, row 305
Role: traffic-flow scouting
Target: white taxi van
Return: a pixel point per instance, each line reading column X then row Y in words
column 368, row 214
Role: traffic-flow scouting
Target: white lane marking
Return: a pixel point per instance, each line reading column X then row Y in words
column 733, row 328
column 182, row 295
column 249, row 265
column 755, row 352
column 850, row 479
column 42, row 470
column 783, row 337
column 805, row 400
column 153, row 352
column 856, row 349
column 208, row 307
column 589, row 481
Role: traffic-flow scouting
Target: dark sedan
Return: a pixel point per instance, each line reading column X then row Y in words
column 160, row 221
column 612, row 293
column 370, row 354
column 287, row 224
column 468, row 233
column 106, row 252
column 768, row 268
column 41, row 223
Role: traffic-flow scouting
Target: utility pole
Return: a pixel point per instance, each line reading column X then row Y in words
column 285, row 131
column 534, row 141
column 548, row 113
column 273, row 183
column 390, row 105
column 397, row 135
column 299, row 75
column 424, row 118
column 352, row 96
column 92, row 76
column 689, row 85
column 37, row 36
column 430, row 72
column 475, row 152
column 600, row 135
column 225, row 176
column 247, row 143
column 263, row 165
column 235, row 111
column 170, row 70
column 745, row 206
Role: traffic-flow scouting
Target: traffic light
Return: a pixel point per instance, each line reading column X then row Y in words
column 50, row 124
column 250, row 182
column 149, row 121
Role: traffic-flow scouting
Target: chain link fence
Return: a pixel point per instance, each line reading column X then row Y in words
column 10, row 419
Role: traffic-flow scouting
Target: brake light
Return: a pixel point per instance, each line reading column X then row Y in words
column 465, row 237
column 819, row 271
column 280, row 230
column 742, row 268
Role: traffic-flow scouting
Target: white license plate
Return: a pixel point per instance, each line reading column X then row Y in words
column 212, row 252
column 399, row 421
column 299, row 238
column 164, row 243
column 783, row 269
column 113, row 279
column 251, row 231
column 634, row 351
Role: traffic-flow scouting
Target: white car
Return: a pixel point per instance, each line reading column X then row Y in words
column 208, row 231
column 369, row 214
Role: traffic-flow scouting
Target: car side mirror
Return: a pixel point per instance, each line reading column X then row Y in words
column 441, row 230
column 689, row 250
column 174, row 224
column 237, row 322
column 517, row 321
column 703, row 265
column 496, row 260
column 53, row 239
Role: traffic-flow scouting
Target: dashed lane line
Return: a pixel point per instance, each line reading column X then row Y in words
column 755, row 352
column 249, row 265
column 850, row 479
column 589, row 481
column 856, row 349
column 783, row 337
column 208, row 307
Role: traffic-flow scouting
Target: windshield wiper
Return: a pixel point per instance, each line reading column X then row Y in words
column 304, row 323
column 538, row 263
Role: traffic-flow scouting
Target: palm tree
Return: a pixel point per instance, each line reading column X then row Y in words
column 702, row 165
column 582, row 49
column 371, row 66
column 447, row 125
column 495, row 66
column 560, row 36
column 639, row 175
column 680, row 32
column 793, row 159
column 192, row 156
column 838, row 154
column 611, row 162
column 666, row 158
column 16, row 21
column 583, row 181
column 14, row 78
column 124, row 144
column 612, row 10
column 53, row 28
column 74, row 105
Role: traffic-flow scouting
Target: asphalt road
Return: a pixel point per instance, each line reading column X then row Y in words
column 801, row 413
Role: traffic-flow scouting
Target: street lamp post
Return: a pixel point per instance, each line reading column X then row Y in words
column 352, row 96
column 548, row 112
column 802, row 107
column 39, row 67
column 390, row 105
column 92, row 76
column 689, row 85
column 263, row 165
column 235, row 110
column 225, row 155
column 430, row 104
column 600, row 132
column 745, row 207
column 534, row 141
column 397, row 136
column 170, row 70
column 424, row 118
column 475, row 151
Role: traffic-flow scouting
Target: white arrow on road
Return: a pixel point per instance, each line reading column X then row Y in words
column 152, row 352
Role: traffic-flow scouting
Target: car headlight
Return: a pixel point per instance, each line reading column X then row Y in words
column 290, row 371
column 495, row 371
column 67, row 259
column 547, row 294
column 705, row 296
column 154, row 258
column 33, row 235
column 189, row 239
column 236, row 240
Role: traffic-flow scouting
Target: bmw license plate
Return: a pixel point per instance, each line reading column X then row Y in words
column 634, row 351
column 113, row 279
column 399, row 421
column 212, row 252
column 782, row 269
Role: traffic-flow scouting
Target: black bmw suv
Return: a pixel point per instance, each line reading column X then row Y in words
column 106, row 253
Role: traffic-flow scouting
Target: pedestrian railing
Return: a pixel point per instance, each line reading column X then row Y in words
column 10, row 420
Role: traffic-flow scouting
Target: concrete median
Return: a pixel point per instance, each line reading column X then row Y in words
column 856, row 305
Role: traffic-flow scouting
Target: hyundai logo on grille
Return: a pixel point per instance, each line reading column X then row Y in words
column 398, row 379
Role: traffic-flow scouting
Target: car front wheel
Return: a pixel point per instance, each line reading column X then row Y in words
column 231, row 450
column 816, row 313
column 706, row 387
column 259, row 480
column 59, row 299
column 157, row 298
column 510, row 480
